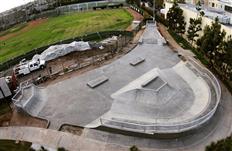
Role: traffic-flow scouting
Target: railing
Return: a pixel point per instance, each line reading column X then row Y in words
column 151, row 128
column 86, row 6
column 17, row 97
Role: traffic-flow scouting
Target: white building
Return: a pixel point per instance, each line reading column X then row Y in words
column 224, row 5
column 189, row 11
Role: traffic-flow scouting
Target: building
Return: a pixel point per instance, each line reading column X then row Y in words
column 23, row 13
column 223, row 5
column 189, row 11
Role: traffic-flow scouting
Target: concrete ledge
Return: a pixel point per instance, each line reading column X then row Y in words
column 137, row 61
column 98, row 81
column 148, row 81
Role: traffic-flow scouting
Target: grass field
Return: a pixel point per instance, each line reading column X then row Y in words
column 4, row 108
column 8, row 145
column 21, row 39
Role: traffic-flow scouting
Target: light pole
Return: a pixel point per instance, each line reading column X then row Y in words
column 25, row 10
column 154, row 10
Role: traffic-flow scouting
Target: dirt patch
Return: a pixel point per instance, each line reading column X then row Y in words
column 72, row 129
column 29, row 26
column 14, row 118
column 21, row 119
column 5, row 119
column 69, row 75
column 164, row 32
column 136, row 16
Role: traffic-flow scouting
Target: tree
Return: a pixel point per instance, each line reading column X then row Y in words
column 134, row 148
column 195, row 24
column 61, row 149
column 221, row 145
column 175, row 19
column 193, row 29
column 199, row 9
column 224, row 60
column 198, row 6
column 42, row 149
column 159, row 4
column 211, row 41
column 130, row 1
column 137, row 2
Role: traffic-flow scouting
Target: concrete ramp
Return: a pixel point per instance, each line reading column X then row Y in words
column 33, row 100
column 161, row 101
column 146, row 90
column 37, row 101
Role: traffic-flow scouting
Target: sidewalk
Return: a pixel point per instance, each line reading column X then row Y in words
column 174, row 45
column 54, row 139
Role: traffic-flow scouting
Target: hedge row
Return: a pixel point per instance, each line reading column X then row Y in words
column 89, row 37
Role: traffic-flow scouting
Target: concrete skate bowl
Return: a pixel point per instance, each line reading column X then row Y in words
column 166, row 101
column 30, row 99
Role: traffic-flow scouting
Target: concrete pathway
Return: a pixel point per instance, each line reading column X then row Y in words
column 54, row 139
column 164, row 31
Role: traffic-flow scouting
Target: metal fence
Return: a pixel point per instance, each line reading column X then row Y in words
column 85, row 6
column 26, row 13
column 151, row 128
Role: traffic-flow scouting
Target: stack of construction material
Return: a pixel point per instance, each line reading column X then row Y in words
column 56, row 51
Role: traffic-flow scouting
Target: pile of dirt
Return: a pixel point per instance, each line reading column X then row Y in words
column 5, row 119
column 22, row 119
column 72, row 129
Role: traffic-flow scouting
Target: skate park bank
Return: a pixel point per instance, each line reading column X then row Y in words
column 149, row 90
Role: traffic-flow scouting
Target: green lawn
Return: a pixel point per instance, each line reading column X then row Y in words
column 4, row 108
column 63, row 27
column 8, row 145
column 13, row 30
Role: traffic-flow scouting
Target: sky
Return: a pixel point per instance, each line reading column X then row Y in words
column 8, row 4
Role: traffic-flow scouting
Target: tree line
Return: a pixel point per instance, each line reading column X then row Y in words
column 214, row 45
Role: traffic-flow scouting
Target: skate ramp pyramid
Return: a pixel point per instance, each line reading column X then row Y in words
column 162, row 101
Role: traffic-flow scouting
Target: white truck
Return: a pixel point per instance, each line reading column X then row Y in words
column 26, row 67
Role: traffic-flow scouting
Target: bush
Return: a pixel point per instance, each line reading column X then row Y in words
column 61, row 149
column 221, row 145
column 186, row 45
column 134, row 148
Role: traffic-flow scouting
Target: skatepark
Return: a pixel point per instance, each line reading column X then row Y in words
column 149, row 90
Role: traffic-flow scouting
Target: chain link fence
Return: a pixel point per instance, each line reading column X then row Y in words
column 90, row 37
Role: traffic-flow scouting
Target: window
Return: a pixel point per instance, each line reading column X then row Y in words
column 228, row 9
column 212, row 4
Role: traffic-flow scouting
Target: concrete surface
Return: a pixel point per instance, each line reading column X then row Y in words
column 175, row 100
column 95, row 140
column 218, row 127
column 72, row 101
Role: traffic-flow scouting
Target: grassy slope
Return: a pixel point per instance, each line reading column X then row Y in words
column 4, row 108
column 64, row 27
column 7, row 145
column 13, row 29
